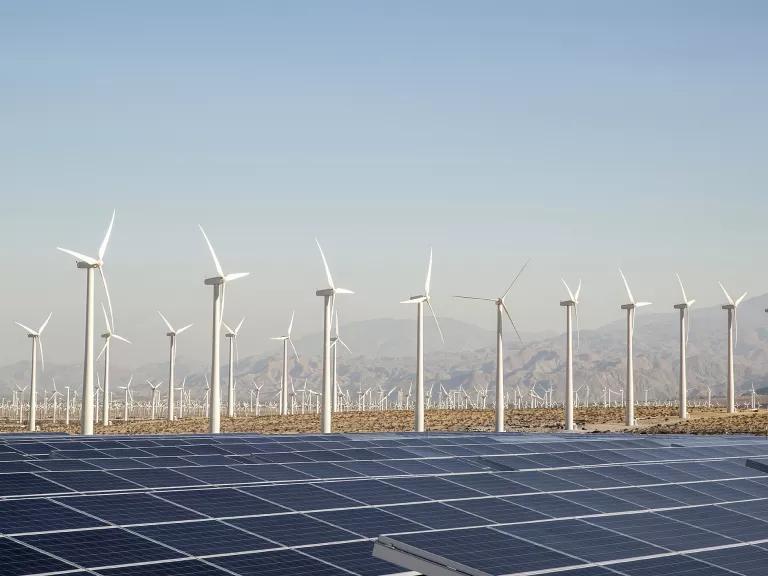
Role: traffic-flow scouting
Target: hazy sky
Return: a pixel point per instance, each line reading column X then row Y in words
column 584, row 135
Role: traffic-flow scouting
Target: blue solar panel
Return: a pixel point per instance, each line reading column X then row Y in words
column 179, row 568
column 221, row 503
column 204, row 538
column 19, row 560
column 293, row 529
column 280, row 563
column 39, row 515
column 129, row 508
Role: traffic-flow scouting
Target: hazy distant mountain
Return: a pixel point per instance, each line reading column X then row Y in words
column 383, row 354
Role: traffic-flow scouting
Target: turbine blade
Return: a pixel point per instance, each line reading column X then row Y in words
column 216, row 263
column 103, row 247
column 228, row 328
column 429, row 274
column 682, row 289
column 325, row 264
column 221, row 306
column 42, row 356
column 121, row 338
column 432, row 310
column 81, row 257
column 476, row 298
column 578, row 291
column 345, row 346
column 27, row 328
column 106, row 318
column 514, row 280
column 294, row 349
column 738, row 301
column 727, row 296
column 506, row 311
column 239, row 325
column 626, row 285
column 641, row 304
column 109, row 299
column 106, row 343
column 40, row 331
column 570, row 294
column 290, row 325
column 235, row 276
column 168, row 324
column 691, row 302
column 180, row 330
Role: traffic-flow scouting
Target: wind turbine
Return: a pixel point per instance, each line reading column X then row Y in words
column 172, row 369
column 219, row 283
column 108, row 335
column 127, row 389
column 419, row 301
column 629, row 409
column 733, row 337
column 154, row 395
column 334, row 341
column 685, row 326
column 501, row 309
column 284, row 381
column 329, row 296
column 66, row 413
column 89, row 264
column 36, row 343
column 233, row 351
column 571, row 305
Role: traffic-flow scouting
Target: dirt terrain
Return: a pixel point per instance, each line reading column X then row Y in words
column 650, row 419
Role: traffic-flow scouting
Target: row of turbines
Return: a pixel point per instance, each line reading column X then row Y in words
column 328, row 398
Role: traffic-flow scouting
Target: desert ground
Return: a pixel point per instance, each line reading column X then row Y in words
column 650, row 419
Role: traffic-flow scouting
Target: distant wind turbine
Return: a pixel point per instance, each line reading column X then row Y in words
column 107, row 335
column 89, row 264
column 334, row 346
column 234, row 358
column 329, row 295
column 172, row 363
column 629, row 408
column 733, row 338
column 419, row 301
column 501, row 310
column 685, row 325
column 36, row 343
column 219, row 283
column 284, row 380
column 572, row 304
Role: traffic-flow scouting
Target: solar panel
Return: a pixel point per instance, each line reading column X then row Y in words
column 312, row 504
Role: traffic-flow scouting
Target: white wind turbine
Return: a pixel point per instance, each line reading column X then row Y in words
column 128, row 393
column 419, row 301
column 685, row 325
column 172, row 368
column 108, row 335
column 334, row 341
column 629, row 410
column 572, row 304
column 234, row 357
column 154, row 395
column 34, row 335
column 733, row 338
column 219, row 283
column 501, row 309
column 89, row 264
column 284, row 381
column 329, row 296
column 66, row 412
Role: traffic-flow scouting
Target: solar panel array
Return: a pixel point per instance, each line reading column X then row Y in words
column 435, row 504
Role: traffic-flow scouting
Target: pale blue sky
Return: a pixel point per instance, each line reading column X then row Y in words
column 585, row 135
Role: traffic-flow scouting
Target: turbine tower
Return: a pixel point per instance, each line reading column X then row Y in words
column 685, row 326
column 219, row 284
column 733, row 338
column 154, row 395
column 234, row 356
column 284, row 380
column 90, row 264
column 329, row 299
column 571, row 306
column 172, row 369
column 108, row 335
column 419, row 301
column 629, row 408
column 36, row 343
column 501, row 309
